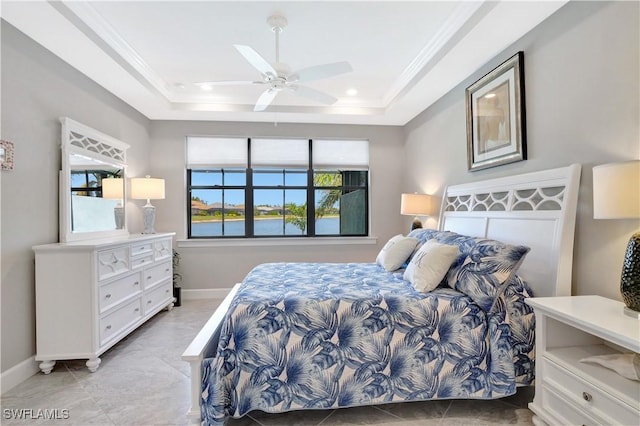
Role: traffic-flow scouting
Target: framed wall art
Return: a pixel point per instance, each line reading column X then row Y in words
column 496, row 130
column 6, row 155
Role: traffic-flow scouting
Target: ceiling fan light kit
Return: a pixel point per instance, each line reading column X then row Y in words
column 279, row 77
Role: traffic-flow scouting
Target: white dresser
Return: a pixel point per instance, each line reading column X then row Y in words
column 91, row 294
column 568, row 391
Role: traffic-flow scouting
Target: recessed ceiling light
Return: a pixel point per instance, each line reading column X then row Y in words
column 490, row 95
column 352, row 92
column 206, row 87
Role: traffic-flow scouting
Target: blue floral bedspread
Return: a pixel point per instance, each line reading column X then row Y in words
column 323, row 335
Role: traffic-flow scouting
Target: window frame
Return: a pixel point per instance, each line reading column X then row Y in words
column 249, row 188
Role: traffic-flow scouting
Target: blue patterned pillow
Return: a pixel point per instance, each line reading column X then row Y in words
column 483, row 267
column 487, row 267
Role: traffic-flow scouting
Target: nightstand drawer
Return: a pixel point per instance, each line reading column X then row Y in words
column 563, row 411
column 589, row 398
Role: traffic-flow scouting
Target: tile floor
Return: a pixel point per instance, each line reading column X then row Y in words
column 143, row 381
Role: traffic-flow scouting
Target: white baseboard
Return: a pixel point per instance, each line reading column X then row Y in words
column 18, row 374
column 205, row 293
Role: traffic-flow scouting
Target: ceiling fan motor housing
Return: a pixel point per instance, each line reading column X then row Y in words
column 277, row 23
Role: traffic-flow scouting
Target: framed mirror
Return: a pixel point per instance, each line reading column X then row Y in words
column 92, row 184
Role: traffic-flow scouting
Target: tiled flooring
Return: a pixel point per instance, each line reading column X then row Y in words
column 143, row 381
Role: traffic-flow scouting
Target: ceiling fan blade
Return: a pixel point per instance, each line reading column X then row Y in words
column 228, row 83
column 256, row 60
column 313, row 94
column 321, row 71
column 265, row 99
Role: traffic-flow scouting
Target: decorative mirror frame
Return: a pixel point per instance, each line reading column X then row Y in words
column 83, row 140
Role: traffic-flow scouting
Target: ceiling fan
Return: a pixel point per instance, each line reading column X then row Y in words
column 279, row 77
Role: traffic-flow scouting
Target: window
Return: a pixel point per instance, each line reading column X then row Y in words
column 292, row 187
column 88, row 182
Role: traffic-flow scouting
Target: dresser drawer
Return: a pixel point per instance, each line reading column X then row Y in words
column 157, row 297
column 156, row 274
column 588, row 397
column 141, row 249
column 117, row 321
column 141, row 261
column 112, row 293
column 113, row 262
column 162, row 249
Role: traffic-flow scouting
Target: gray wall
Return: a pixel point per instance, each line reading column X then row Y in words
column 223, row 266
column 582, row 106
column 37, row 89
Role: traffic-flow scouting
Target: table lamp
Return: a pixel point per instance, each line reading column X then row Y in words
column 147, row 188
column 616, row 195
column 113, row 189
column 415, row 205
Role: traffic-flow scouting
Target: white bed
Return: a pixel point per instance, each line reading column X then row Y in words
column 536, row 209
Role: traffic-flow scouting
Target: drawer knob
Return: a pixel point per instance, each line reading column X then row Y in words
column 166, row 270
column 166, row 291
column 107, row 296
column 149, row 277
column 136, row 283
column 109, row 327
column 148, row 301
column 586, row 396
column 136, row 310
column 115, row 261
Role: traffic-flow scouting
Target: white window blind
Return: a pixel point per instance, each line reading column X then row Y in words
column 216, row 152
column 279, row 153
column 341, row 154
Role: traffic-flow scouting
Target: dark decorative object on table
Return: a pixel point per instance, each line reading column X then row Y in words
column 616, row 195
column 630, row 281
column 177, row 279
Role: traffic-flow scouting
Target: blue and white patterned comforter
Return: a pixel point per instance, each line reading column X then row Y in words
column 323, row 335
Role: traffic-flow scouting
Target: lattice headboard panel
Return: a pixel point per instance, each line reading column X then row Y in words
column 534, row 209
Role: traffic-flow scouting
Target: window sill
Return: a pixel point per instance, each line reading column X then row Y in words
column 261, row 242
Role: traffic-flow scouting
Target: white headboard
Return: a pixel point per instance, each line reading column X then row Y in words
column 536, row 209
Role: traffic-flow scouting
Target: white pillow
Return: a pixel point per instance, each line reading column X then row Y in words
column 396, row 252
column 429, row 265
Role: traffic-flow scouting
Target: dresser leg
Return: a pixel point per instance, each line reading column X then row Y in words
column 93, row 364
column 46, row 366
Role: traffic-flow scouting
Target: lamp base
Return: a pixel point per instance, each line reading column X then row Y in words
column 148, row 218
column 416, row 224
column 118, row 213
column 630, row 279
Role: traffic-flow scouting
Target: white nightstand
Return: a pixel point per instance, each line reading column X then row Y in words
column 568, row 391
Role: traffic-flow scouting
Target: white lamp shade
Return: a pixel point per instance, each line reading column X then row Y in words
column 616, row 190
column 415, row 204
column 147, row 188
column 113, row 188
